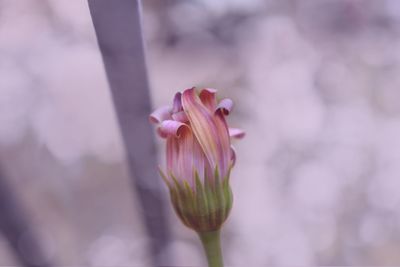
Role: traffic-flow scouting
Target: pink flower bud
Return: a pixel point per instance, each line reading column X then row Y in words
column 197, row 135
column 199, row 155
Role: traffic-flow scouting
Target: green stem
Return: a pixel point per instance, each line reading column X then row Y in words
column 212, row 245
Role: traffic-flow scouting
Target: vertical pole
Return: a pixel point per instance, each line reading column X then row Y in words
column 15, row 226
column 118, row 29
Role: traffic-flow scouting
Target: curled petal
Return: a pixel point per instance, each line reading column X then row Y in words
column 161, row 114
column 236, row 133
column 177, row 104
column 225, row 106
column 172, row 128
column 207, row 97
column 180, row 116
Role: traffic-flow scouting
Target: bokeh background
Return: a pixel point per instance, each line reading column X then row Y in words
column 316, row 86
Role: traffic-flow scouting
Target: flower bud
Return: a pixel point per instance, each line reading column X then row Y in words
column 199, row 157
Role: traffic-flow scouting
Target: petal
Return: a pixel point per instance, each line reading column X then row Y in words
column 223, row 140
column 160, row 114
column 225, row 106
column 177, row 103
column 236, row 133
column 202, row 124
column 207, row 97
column 178, row 156
column 209, row 129
column 185, row 157
column 180, row 116
column 172, row 152
column 172, row 128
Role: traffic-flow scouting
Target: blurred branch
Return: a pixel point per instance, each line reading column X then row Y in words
column 16, row 228
column 118, row 30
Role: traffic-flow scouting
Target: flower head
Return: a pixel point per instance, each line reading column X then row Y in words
column 199, row 152
column 197, row 135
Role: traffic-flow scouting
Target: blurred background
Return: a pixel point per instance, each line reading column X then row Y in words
column 317, row 89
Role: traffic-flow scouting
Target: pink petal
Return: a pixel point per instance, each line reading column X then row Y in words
column 210, row 130
column 172, row 152
column 177, row 103
column 202, row 124
column 180, row 116
column 172, row 128
column 225, row 106
column 236, row 133
column 207, row 97
column 185, row 157
column 160, row 114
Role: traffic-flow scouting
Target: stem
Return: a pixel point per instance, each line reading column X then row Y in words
column 212, row 246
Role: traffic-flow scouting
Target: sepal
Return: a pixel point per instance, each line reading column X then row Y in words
column 205, row 206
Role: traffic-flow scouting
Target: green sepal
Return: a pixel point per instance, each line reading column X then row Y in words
column 203, row 206
column 164, row 177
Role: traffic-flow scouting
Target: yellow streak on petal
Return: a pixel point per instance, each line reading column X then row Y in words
column 202, row 124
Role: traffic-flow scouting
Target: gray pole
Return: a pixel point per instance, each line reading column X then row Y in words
column 15, row 226
column 118, row 29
